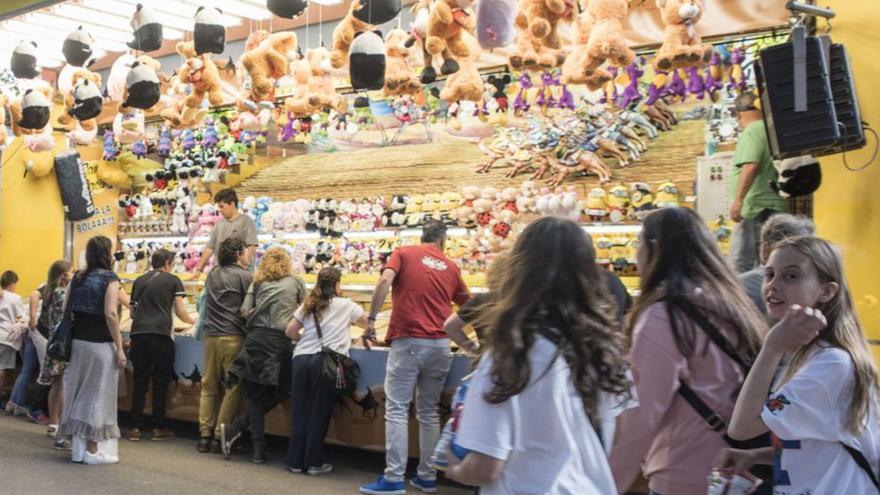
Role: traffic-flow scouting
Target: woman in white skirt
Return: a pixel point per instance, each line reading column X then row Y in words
column 90, row 381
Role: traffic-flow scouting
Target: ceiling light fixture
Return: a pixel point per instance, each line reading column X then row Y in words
column 183, row 11
column 235, row 7
column 176, row 23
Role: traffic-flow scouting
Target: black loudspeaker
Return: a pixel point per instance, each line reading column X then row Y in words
column 846, row 105
column 794, row 133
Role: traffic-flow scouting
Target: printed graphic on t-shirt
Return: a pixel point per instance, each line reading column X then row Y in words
column 781, row 478
column 778, row 403
column 434, row 264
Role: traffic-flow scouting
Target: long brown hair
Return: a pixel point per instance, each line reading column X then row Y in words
column 53, row 279
column 678, row 254
column 843, row 331
column 98, row 256
column 324, row 291
column 552, row 287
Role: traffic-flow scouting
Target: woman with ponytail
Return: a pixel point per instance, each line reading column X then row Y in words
column 324, row 320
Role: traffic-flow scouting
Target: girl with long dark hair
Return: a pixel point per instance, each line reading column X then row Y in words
column 688, row 293
column 552, row 376
column 324, row 311
column 90, row 381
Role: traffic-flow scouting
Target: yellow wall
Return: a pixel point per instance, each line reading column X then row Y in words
column 847, row 207
column 31, row 221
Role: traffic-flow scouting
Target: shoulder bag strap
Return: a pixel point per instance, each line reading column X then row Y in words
column 318, row 328
column 136, row 297
column 863, row 463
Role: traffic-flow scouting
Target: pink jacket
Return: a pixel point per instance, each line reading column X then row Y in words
column 664, row 436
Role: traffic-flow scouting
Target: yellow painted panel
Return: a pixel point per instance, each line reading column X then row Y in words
column 847, row 208
column 31, row 220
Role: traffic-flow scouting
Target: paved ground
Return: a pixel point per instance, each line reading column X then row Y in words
column 29, row 465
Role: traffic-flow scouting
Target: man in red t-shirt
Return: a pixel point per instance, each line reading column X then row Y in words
column 425, row 284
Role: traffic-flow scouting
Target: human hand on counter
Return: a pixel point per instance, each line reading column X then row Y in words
column 369, row 336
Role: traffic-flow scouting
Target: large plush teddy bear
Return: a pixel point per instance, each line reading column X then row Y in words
column 343, row 35
column 538, row 40
column 681, row 44
column 606, row 41
column 574, row 67
column 202, row 74
column 447, row 20
column 314, row 89
column 268, row 61
column 466, row 84
column 399, row 76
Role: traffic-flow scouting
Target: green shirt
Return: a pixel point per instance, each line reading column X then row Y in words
column 753, row 147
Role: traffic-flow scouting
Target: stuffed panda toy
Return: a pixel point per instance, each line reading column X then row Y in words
column 366, row 61
column 287, row 9
column 77, row 47
column 34, row 110
column 142, row 84
column 798, row 176
column 147, row 30
column 24, row 60
column 209, row 34
column 378, row 11
column 87, row 100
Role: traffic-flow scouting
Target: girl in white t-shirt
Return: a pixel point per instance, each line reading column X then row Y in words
column 544, row 394
column 312, row 402
column 824, row 400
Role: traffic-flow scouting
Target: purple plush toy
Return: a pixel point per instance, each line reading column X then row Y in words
column 545, row 97
column 210, row 140
column 696, row 86
column 287, row 132
column 188, row 141
column 677, row 86
column 566, row 99
column 165, row 143
column 713, row 76
column 631, row 91
column 110, row 151
column 521, row 103
column 139, row 149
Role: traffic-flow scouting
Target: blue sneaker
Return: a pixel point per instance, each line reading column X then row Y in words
column 384, row 487
column 425, row 486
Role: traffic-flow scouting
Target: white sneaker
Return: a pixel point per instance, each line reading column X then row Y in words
column 325, row 469
column 99, row 458
column 52, row 431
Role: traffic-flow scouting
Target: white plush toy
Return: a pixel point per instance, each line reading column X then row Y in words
column 179, row 224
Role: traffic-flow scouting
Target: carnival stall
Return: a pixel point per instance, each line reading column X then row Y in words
column 345, row 126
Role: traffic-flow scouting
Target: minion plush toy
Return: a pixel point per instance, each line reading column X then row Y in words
column 642, row 200
column 618, row 203
column 596, row 206
column 668, row 194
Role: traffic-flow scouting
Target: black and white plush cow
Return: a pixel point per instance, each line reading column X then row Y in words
column 798, row 176
column 378, row 11
column 147, row 30
column 142, row 87
column 209, row 34
column 87, row 100
column 77, row 47
column 366, row 61
column 34, row 110
column 24, row 60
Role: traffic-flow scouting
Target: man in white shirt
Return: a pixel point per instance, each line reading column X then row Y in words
column 12, row 323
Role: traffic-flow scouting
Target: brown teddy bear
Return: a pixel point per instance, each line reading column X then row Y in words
column 268, row 61
column 467, row 83
column 606, row 41
column 343, row 35
column 399, row 76
column 66, row 120
column 446, row 22
column 573, row 68
column 418, row 33
column 202, row 74
column 314, row 89
column 537, row 41
column 681, row 44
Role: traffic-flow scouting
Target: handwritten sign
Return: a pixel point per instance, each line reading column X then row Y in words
column 105, row 222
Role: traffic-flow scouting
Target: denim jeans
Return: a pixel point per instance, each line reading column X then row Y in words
column 421, row 365
column 29, row 364
column 745, row 242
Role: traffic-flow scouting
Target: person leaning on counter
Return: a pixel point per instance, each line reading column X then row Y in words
column 233, row 224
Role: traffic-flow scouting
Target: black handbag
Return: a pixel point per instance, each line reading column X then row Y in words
column 58, row 347
column 339, row 373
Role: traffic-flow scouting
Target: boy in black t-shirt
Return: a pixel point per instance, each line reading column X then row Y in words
column 154, row 295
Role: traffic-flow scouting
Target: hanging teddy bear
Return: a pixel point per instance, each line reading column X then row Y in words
column 421, row 11
column 467, row 83
column 399, row 76
column 447, row 20
column 344, row 33
column 269, row 61
column 574, row 67
column 606, row 40
column 538, row 41
column 682, row 46
column 83, row 103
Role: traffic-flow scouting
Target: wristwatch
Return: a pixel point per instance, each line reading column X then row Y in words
column 371, row 318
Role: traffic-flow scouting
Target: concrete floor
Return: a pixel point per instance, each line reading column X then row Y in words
column 29, row 465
